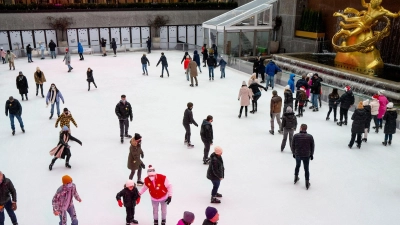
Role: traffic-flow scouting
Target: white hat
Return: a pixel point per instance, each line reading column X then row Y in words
column 310, row 75
column 218, row 150
column 1, row 47
column 129, row 183
column 366, row 102
column 380, row 92
column 151, row 171
column 390, row 105
column 287, row 87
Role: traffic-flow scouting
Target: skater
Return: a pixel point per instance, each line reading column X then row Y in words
column 160, row 190
column 315, row 91
column 90, row 79
column 185, row 57
column 212, row 216
column 41, row 47
column 144, row 62
column 131, row 198
column 346, row 101
column 275, row 111
column 39, row 80
column 64, row 119
column 10, row 57
column 287, row 98
column 374, row 111
column 53, row 97
column 134, row 161
column 359, row 118
column 215, row 173
column 63, row 201
column 207, row 136
column 196, row 58
column 291, row 82
column 333, row 97
column 187, row 120
column 303, row 150
column 52, row 47
column 123, row 110
column 164, row 64
column 29, row 53
column 3, row 55
column 186, row 66
column 367, row 109
column 15, row 109
column 261, row 69
column 103, row 43
column 244, row 97
column 271, row 69
column 67, row 59
column 390, row 125
column 114, row 46
column 222, row 63
column 62, row 149
column 252, row 79
column 204, row 52
column 215, row 50
column 192, row 70
column 301, row 98
column 211, row 63
column 256, row 64
column 8, row 203
column 300, row 83
column 148, row 43
column 80, row 51
column 382, row 106
column 22, row 85
column 188, row 218
column 255, row 89
column 289, row 125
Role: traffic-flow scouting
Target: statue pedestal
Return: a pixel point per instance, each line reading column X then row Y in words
column 365, row 63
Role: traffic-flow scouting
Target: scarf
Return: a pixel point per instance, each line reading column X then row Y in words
column 39, row 74
column 53, row 96
column 58, row 150
column 20, row 78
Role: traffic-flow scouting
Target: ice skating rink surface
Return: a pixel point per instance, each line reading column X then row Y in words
column 357, row 186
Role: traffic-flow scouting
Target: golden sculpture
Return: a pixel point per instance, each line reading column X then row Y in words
column 357, row 50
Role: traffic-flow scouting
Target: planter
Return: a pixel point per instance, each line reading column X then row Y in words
column 156, row 42
column 273, row 47
column 311, row 35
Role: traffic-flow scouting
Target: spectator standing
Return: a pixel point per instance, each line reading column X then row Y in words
column 207, row 136
column 52, row 47
column 114, row 46
column 148, row 43
column 80, row 51
column 41, row 47
column 103, row 43
column 390, row 126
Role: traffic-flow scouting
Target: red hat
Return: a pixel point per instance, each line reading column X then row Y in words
column 303, row 88
column 66, row 49
column 347, row 88
column 376, row 96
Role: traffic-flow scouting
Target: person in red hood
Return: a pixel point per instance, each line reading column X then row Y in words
column 186, row 65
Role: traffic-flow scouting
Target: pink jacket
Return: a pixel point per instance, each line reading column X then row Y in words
column 3, row 54
column 374, row 107
column 382, row 106
column 180, row 222
column 309, row 89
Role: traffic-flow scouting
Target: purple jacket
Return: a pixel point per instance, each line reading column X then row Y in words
column 60, row 199
column 58, row 96
column 382, row 106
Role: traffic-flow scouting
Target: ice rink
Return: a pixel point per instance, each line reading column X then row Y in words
column 357, row 186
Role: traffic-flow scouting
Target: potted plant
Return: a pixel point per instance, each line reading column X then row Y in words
column 311, row 25
column 274, row 45
column 60, row 24
column 157, row 23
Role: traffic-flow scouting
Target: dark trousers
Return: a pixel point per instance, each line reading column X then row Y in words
column 123, row 127
column 93, row 83
column 301, row 110
column 306, row 163
column 375, row 118
column 254, row 101
column 262, row 76
column 115, row 51
column 162, row 70
column 388, row 136
column 10, row 213
column 353, row 138
column 148, row 49
column 37, row 88
column 81, row 56
column 68, row 157
column 216, row 184
column 130, row 214
column 187, row 133
column 343, row 113
column 139, row 174
column 241, row 110
column 207, row 145
column 334, row 112
column 287, row 132
column 380, row 121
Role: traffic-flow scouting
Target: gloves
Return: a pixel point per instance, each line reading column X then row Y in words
column 143, row 166
column 6, row 114
column 197, row 125
column 120, row 203
column 270, row 115
column 294, row 156
column 138, row 201
column 168, row 200
column 131, row 120
column 14, row 206
column 311, row 157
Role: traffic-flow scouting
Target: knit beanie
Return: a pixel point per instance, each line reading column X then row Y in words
column 274, row 92
column 380, row 92
column 244, row 83
column 151, row 171
column 137, row 136
column 66, row 179
column 129, row 183
column 366, row 102
column 287, row 87
column 218, row 150
column 289, row 109
column 188, row 217
column 211, row 212
column 375, row 96
column 347, row 88
column 65, row 128
column 390, row 105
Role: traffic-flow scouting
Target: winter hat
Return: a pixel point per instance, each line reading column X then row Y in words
column 137, row 136
column 65, row 128
column 211, row 212
column 366, row 102
column 37, row 68
column 289, row 109
column 129, row 183
column 375, row 96
column 274, row 92
column 390, row 105
column 218, row 150
column 65, row 109
column 66, row 179
column 380, row 92
column 188, row 217
column 360, row 105
column 20, row 73
column 66, row 49
column 287, row 87
column 310, row 75
column 244, row 83
column 303, row 88
column 151, row 171
column 347, row 88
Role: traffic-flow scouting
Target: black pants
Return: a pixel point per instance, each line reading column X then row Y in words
column 301, row 110
column 330, row 110
column 254, row 102
column 139, row 174
column 115, row 51
column 375, row 118
column 207, row 145
column 68, row 157
column 93, row 83
column 245, row 110
column 343, row 113
column 187, row 133
column 256, row 72
column 130, row 214
column 353, row 138
column 262, row 76
column 123, row 127
column 148, row 49
column 81, row 56
column 37, row 88
column 306, row 164
column 26, row 95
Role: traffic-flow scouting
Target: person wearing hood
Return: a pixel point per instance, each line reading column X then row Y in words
column 212, row 216
column 390, row 125
column 134, row 158
column 3, row 55
column 164, row 64
column 346, row 101
column 62, row 149
column 29, row 53
column 63, row 201
column 187, row 120
column 64, row 119
column 211, row 63
column 80, row 51
column 114, row 46
column 261, row 68
column 148, row 44
column 123, row 110
column 300, row 83
column 39, row 80
column 89, row 78
column 204, row 52
column 291, row 82
column 315, row 91
column 222, row 63
column 196, row 58
column 130, row 196
column 41, row 47
column 383, row 101
column 52, row 47
column 144, row 60
column 22, row 85
column 287, row 98
column 10, row 57
column 367, row 109
column 216, row 173
column 289, row 125
column 15, row 109
column 275, row 111
column 192, row 70
column 53, row 97
column 186, row 66
column 271, row 69
column 185, row 57
column 256, row 93
column 67, row 59
column 188, row 218
column 359, row 118
column 244, row 97
column 8, row 199
column 207, row 136
column 374, row 111
column 332, row 98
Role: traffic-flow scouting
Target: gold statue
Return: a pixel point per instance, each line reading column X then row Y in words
column 358, row 48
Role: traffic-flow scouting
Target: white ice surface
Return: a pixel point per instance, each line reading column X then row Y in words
column 358, row 186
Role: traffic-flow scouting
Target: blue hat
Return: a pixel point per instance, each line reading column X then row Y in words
column 65, row 128
column 211, row 212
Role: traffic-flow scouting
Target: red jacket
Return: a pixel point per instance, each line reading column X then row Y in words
column 160, row 190
column 186, row 63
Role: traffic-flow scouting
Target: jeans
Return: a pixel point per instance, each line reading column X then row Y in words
column 162, row 70
column 223, row 72
column 163, row 209
column 343, row 113
column 53, row 54
column 278, row 119
column 144, row 68
column 42, row 53
column 69, row 67
column 375, row 118
column 353, row 138
column 216, row 184
column 199, row 68
column 139, row 174
column 334, row 112
column 207, row 146
column 130, row 214
column 58, row 108
column 388, row 136
column 210, row 71
column 306, row 163
column 270, row 80
column 187, row 133
column 10, row 213
column 287, row 131
column 315, row 100
column 21, row 124
column 29, row 57
column 72, row 213
column 37, row 88
column 123, row 127
column 187, row 75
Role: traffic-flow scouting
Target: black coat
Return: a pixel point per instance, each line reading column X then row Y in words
column 163, row 61
column 188, row 118
column 346, row 100
column 103, row 43
column 89, row 76
column 367, row 109
column 205, row 54
column 316, row 86
column 390, row 118
column 332, row 99
column 148, row 42
column 22, row 84
column 123, row 111
column 288, row 97
column 261, row 66
column 255, row 87
column 113, row 44
column 303, row 144
column 52, row 46
column 211, row 61
column 255, row 66
column 29, row 49
column 216, row 168
column 359, row 118
column 206, row 131
column 207, row 222
column 144, row 60
column 129, row 197
column 289, row 121
column 7, row 189
column 61, row 142
column 13, row 107
column 302, row 83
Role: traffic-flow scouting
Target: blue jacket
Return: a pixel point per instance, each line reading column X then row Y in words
column 291, row 82
column 58, row 96
column 271, row 69
column 41, row 46
column 80, row 48
column 300, row 83
column 222, row 63
column 196, row 57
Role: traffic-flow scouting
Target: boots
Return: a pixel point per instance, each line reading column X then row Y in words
column 52, row 163
column 364, row 140
column 296, row 178
column 308, row 184
column 339, row 123
column 51, row 116
column 67, row 165
column 163, row 222
column 155, row 222
column 390, row 142
column 139, row 183
column 384, row 143
column 245, row 113
column 240, row 115
column 215, row 200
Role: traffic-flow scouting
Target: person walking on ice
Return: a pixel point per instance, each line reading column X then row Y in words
column 63, row 150
column 130, row 196
column 65, row 118
column 67, row 59
column 187, row 120
column 15, row 109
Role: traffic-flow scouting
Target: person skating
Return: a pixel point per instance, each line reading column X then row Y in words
column 261, row 68
column 301, row 98
column 14, row 108
column 10, row 57
column 303, row 150
column 123, row 110
column 212, row 216
column 186, row 66
column 22, row 85
column 103, row 43
column 39, row 80
column 215, row 50
column 244, row 97
column 222, row 63
column 144, row 60
column 359, row 118
column 275, row 111
column 367, row 109
column 315, row 91
column 207, row 136
column 332, row 98
column 256, row 63
column 90, row 79
column 164, row 64
column 185, row 56
column 3, row 55
column 8, row 199
column 148, row 44
column 390, row 118
column 291, row 82
column 192, row 70
column 134, row 158
column 41, row 47
column 382, row 106
column 64, row 119
column 187, row 120
column 67, row 59
column 114, row 46
column 188, row 218
column 196, row 58
column 300, row 83
column 216, row 173
column 374, row 111
column 160, row 190
column 289, row 125
column 204, row 52
column 53, row 97
column 346, row 101
column 287, row 98
column 62, row 149
column 271, row 69
column 211, row 63
column 29, row 53
column 131, row 198
column 52, row 47
column 255, row 88
column 63, row 201
column 80, row 51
